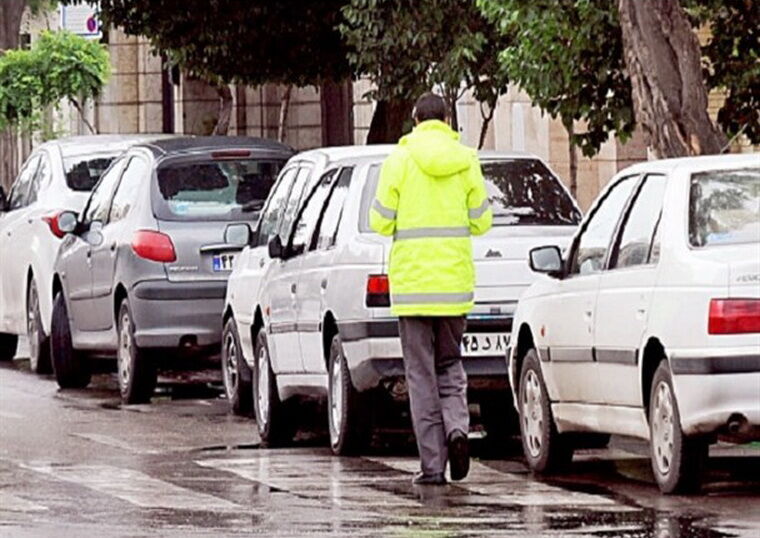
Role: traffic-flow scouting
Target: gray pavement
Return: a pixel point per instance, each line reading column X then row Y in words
column 77, row 463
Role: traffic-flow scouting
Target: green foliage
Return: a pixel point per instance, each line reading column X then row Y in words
column 59, row 65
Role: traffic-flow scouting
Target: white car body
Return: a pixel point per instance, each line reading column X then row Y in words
column 299, row 301
column 600, row 335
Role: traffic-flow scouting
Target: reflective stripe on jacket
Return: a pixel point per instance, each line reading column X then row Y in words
column 431, row 197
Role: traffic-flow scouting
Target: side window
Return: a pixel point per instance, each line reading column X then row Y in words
column 330, row 220
column 294, row 202
column 41, row 178
column 309, row 216
column 594, row 242
column 275, row 206
column 636, row 240
column 19, row 196
column 100, row 199
column 129, row 188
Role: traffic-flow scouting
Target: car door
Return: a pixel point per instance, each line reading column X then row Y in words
column 75, row 258
column 280, row 297
column 12, row 249
column 625, row 295
column 317, row 238
column 567, row 318
column 113, row 234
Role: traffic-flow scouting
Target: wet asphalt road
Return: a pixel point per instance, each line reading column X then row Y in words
column 76, row 463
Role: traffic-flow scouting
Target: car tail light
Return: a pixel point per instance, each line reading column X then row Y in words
column 154, row 246
column 230, row 154
column 378, row 291
column 734, row 316
column 52, row 221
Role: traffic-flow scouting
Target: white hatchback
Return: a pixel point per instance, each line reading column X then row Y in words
column 650, row 325
column 308, row 308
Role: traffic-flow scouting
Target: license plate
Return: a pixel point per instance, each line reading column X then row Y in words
column 484, row 344
column 222, row 262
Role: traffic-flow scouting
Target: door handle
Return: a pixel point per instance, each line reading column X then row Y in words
column 261, row 262
column 293, row 288
column 324, row 284
column 113, row 246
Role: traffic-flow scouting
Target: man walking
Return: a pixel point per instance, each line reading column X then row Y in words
column 431, row 198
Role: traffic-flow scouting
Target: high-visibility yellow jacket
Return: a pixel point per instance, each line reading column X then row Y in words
column 431, row 197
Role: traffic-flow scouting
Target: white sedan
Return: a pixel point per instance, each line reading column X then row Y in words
column 650, row 325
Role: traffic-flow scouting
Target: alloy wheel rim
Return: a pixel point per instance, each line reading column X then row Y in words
column 262, row 398
column 230, row 365
column 663, row 428
column 125, row 352
column 336, row 399
column 32, row 329
column 532, row 414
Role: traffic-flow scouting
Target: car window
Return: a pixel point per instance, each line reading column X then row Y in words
column 310, row 214
column 83, row 171
column 19, row 196
column 293, row 203
column 635, row 242
column 368, row 196
column 724, row 207
column 41, row 179
column 593, row 243
column 327, row 229
column 275, row 206
column 135, row 174
column 100, row 199
column 525, row 192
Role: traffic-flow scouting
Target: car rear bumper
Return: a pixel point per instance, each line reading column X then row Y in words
column 173, row 315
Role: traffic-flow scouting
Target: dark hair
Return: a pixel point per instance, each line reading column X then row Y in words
column 429, row 106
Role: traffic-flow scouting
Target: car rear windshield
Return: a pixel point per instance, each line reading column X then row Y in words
column 524, row 191
column 215, row 190
column 84, row 171
column 724, row 207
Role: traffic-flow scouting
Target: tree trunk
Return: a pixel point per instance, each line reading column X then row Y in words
column 389, row 120
column 487, row 117
column 11, row 12
column 669, row 94
column 573, row 154
column 82, row 115
column 284, row 109
column 225, row 110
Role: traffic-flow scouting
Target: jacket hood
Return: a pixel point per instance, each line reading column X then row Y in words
column 435, row 148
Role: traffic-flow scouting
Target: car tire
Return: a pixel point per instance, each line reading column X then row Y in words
column 545, row 449
column 347, row 411
column 236, row 375
column 272, row 420
column 39, row 342
column 70, row 366
column 8, row 346
column 677, row 460
column 136, row 367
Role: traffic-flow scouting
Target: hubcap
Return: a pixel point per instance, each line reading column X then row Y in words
column 125, row 351
column 532, row 414
column 32, row 328
column 663, row 427
column 230, row 365
column 262, row 398
column 336, row 399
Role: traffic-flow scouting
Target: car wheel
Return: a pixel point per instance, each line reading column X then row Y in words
column 69, row 365
column 136, row 367
column 545, row 449
column 275, row 428
column 8, row 346
column 677, row 460
column 39, row 343
column 347, row 411
column 235, row 372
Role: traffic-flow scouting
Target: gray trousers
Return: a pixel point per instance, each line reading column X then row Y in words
column 437, row 384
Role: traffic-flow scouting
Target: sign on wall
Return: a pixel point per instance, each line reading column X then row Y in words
column 82, row 19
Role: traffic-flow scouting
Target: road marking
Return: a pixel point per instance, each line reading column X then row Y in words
column 11, row 503
column 135, row 487
column 116, row 443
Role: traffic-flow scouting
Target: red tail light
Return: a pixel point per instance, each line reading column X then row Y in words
column 52, row 221
column 734, row 316
column 154, row 246
column 378, row 291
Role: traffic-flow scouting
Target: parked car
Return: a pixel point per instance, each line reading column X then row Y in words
column 58, row 175
column 307, row 311
column 650, row 325
column 142, row 272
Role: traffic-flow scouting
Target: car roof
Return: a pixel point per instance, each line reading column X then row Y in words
column 695, row 164
column 93, row 144
column 199, row 144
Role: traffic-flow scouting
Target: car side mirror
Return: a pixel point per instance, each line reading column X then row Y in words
column 67, row 222
column 3, row 200
column 237, row 234
column 547, row 260
column 276, row 250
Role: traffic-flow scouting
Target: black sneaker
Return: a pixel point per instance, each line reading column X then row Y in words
column 459, row 455
column 422, row 479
